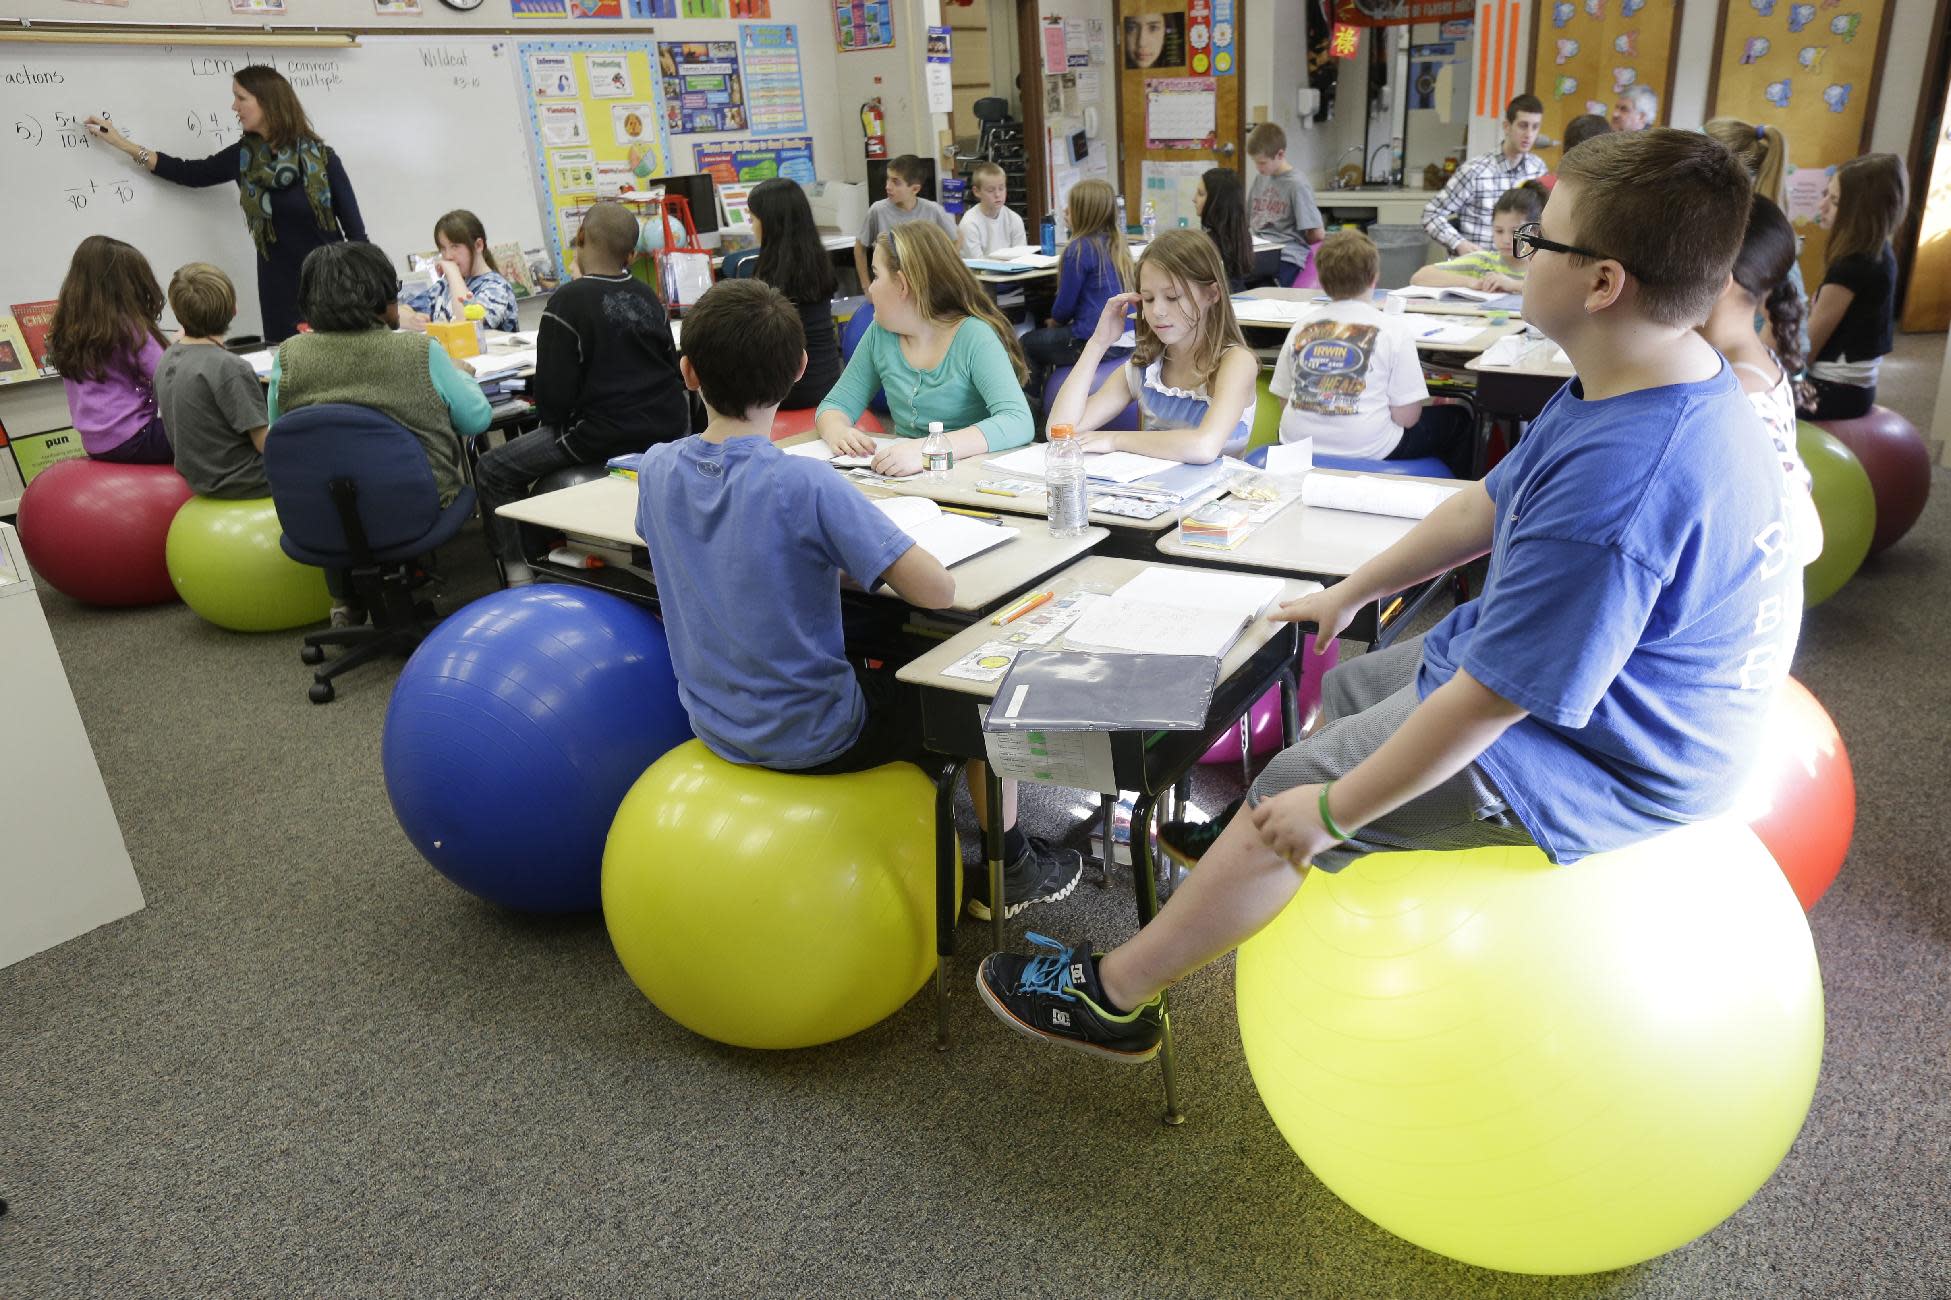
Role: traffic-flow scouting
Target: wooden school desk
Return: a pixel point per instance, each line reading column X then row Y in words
column 1030, row 275
column 1304, row 541
column 1149, row 763
column 1271, row 319
column 604, row 511
column 1517, row 392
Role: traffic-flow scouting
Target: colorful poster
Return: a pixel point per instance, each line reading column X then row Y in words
column 255, row 8
column 1224, row 60
column 703, row 91
column 596, row 8
column 1366, row 13
column 34, row 452
column 1056, row 55
column 941, row 94
column 775, row 96
column 751, row 8
column 632, row 123
column 390, row 8
column 1181, row 112
column 1586, row 54
column 750, row 162
column 1199, row 36
column 572, row 171
column 609, row 76
column 538, row 8
column 553, row 76
column 863, row 24
column 704, row 9
column 653, row 8
column 563, row 124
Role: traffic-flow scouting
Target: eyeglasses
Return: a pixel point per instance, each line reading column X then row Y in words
column 1528, row 239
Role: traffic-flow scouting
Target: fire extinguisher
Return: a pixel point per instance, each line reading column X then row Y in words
column 874, row 123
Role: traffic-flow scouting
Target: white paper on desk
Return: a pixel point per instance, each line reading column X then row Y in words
column 817, row 449
column 1169, row 611
column 1077, row 760
column 1290, row 459
column 1027, row 255
column 1374, row 494
column 1255, row 311
column 1435, row 294
column 1450, row 331
column 260, row 361
column 949, row 538
column 1104, row 466
column 489, row 364
column 1520, row 349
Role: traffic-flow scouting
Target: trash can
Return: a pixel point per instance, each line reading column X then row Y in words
column 1404, row 250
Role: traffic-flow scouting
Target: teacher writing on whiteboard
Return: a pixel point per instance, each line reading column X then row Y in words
column 291, row 185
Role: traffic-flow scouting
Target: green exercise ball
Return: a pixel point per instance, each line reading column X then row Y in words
column 1845, row 504
column 225, row 562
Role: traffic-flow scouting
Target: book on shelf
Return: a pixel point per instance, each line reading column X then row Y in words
column 36, row 320
column 16, row 359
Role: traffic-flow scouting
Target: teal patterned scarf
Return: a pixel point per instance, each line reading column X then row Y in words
column 262, row 171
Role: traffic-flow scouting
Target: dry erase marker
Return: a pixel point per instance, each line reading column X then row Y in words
column 1023, row 607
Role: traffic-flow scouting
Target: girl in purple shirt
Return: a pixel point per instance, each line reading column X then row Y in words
column 105, row 342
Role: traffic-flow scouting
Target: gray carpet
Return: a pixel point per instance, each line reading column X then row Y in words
column 313, row 1067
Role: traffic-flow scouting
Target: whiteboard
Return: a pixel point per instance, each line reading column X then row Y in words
column 422, row 126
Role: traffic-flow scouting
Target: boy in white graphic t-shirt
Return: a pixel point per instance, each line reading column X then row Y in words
column 1350, row 375
column 989, row 227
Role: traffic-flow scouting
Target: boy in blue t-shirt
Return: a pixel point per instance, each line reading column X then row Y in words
column 749, row 546
column 1641, row 606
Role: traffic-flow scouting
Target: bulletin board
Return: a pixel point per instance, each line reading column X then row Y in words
column 1584, row 52
column 1810, row 69
column 596, row 114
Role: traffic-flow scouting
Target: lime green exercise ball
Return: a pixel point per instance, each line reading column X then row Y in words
column 225, row 562
column 768, row 909
column 1534, row 1068
column 1845, row 503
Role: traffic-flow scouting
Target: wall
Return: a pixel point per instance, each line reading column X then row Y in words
column 1104, row 143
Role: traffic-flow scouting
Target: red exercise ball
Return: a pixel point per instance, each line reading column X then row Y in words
column 1899, row 466
column 97, row 531
column 1801, row 798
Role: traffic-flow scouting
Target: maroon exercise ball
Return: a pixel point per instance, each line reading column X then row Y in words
column 1800, row 799
column 97, row 531
column 1899, row 466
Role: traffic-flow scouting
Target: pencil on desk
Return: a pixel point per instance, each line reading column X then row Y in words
column 973, row 514
column 1023, row 607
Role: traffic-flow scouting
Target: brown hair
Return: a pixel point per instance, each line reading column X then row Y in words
column 1190, row 259
column 745, row 343
column 1526, row 103
column 986, row 171
column 1871, row 193
column 1093, row 207
column 942, row 287
column 1670, row 207
column 1526, row 198
column 203, row 299
column 463, row 227
column 910, row 168
column 1763, row 150
column 109, row 301
column 1265, row 140
column 285, row 123
column 1348, row 263
column 1583, row 128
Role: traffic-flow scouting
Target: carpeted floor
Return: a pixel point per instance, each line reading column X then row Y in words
column 312, row 1067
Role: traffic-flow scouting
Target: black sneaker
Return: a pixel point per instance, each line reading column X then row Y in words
column 1043, row 873
column 1186, row 842
column 1056, row 997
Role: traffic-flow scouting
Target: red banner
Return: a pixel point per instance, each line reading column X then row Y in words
column 1399, row 13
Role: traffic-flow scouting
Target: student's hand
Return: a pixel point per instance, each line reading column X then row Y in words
column 849, row 442
column 1098, row 440
column 1464, row 247
column 1502, row 283
column 412, row 320
column 1111, row 321
column 1290, row 826
column 899, row 458
column 1330, row 610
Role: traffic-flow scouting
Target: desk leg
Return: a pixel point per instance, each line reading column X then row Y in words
column 1108, row 814
column 1145, row 881
column 947, row 851
column 1290, row 707
column 992, row 846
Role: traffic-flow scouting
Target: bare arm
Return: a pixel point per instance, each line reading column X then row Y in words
column 1832, row 300
column 1406, row 415
column 258, row 435
column 919, row 579
column 861, row 267
column 1075, row 403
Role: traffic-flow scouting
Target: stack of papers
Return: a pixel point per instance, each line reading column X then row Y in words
column 1431, row 293
column 949, row 538
column 1523, row 350
column 500, row 365
column 1262, row 311
column 1221, row 524
column 817, row 449
column 261, row 361
column 1374, row 494
column 1430, row 330
column 1176, row 612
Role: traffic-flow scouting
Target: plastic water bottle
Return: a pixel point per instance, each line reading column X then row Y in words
column 1049, row 234
column 1151, row 221
column 1063, row 476
column 937, row 453
column 1123, row 228
column 477, row 315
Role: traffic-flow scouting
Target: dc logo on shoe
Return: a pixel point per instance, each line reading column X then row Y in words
column 1061, row 1019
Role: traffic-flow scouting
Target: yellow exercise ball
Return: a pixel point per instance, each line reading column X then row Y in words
column 1534, row 1068
column 765, row 909
column 225, row 562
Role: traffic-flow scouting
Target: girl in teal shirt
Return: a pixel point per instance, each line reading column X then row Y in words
column 939, row 349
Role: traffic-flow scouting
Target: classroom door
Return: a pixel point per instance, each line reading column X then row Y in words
column 1179, row 109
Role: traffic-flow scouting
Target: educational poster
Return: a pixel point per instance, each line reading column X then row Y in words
column 751, row 8
column 749, row 162
column 1586, row 51
column 258, row 8
column 1807, row 68
column 703, row 90
column 596, row 144
column 703, row 9
column 596, row 8
column 652, row 8
column 538, row 8
column 863, row 24
column 775, row 96
column 941, row 94
column 389, row 8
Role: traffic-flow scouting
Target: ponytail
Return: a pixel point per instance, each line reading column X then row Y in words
column 1771, row 166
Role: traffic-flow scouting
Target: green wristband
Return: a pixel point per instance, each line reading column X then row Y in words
column 1327, row 818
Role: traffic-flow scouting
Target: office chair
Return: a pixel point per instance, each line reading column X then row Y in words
column 354, row 492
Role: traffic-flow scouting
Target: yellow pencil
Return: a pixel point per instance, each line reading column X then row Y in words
column 973, row 514
column 1023, row 606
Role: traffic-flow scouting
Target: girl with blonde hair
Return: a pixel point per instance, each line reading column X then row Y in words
column 1850, row 325
column 940, row 351
column 1192, row 374
column 1096, row 268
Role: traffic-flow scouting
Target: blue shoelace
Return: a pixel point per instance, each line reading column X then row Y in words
column 1049, row 973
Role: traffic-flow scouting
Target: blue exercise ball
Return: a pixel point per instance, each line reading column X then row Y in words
column 515, row 731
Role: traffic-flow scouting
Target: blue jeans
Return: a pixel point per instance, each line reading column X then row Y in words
column 506, row 473
column 148, row 445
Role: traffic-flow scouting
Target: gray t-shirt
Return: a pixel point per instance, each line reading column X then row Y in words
column 884, row 216
column 210, row 400
column 1281, row 207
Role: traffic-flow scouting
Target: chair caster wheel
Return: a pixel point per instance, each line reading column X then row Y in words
column 321, row 693
column 311, row 654
column 425, row 609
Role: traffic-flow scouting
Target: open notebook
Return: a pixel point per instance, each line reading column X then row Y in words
column 949, row 538
column 1434, row 293
column 1175, row 612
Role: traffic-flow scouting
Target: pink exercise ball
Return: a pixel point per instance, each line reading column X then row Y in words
column 1899, row 466
column 97, row 531
column 1263, row 725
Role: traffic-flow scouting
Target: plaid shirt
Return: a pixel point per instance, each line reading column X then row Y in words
column 1472, row 193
